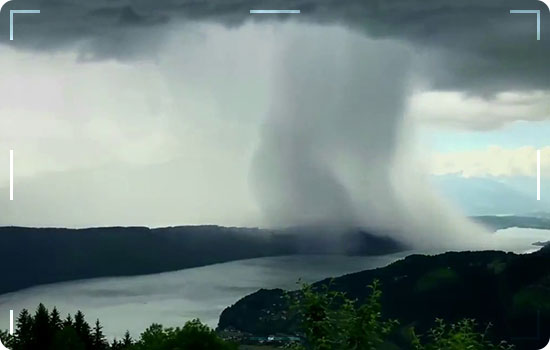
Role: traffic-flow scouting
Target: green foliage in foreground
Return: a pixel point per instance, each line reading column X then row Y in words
column 46, row 331
column 332, row 321
column 193, row 336
column 461, row 335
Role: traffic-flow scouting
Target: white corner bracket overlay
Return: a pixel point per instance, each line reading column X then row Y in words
column 2, row 347
column 538, row 174
column 274, row 11
column 537, row 12
column 11, row 174
column 12, row 12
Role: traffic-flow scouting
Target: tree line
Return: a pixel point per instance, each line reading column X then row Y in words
column 47, row 331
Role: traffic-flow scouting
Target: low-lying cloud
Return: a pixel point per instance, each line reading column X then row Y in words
column 334, row 147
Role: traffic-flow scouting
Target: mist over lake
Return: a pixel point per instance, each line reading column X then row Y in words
column 133, row 303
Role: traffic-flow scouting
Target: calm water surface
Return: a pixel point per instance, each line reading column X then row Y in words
column 172, row 298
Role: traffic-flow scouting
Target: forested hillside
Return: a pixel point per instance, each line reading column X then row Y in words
column 512, row 292
column 53, row 255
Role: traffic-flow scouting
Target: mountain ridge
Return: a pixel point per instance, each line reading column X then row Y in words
column 49, row 255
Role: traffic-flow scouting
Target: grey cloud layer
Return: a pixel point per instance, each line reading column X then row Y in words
column 465, row 45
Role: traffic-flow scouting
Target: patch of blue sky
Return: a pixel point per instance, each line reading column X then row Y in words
column 513, row 135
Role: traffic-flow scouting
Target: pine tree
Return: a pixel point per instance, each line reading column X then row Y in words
column 55, row 321
column 67, row 339
column 41, row 330
column 82, row 329
column 127, row 341
column 24, row 335
column 6, row 339
column 116, row 345
column 68, row 321
column 98, row 339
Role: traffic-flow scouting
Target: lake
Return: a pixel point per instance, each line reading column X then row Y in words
column 171, row 298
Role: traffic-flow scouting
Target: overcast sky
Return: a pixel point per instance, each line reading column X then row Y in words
column 156, row 112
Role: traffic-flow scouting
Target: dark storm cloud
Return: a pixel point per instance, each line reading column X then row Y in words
column 478, row 45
